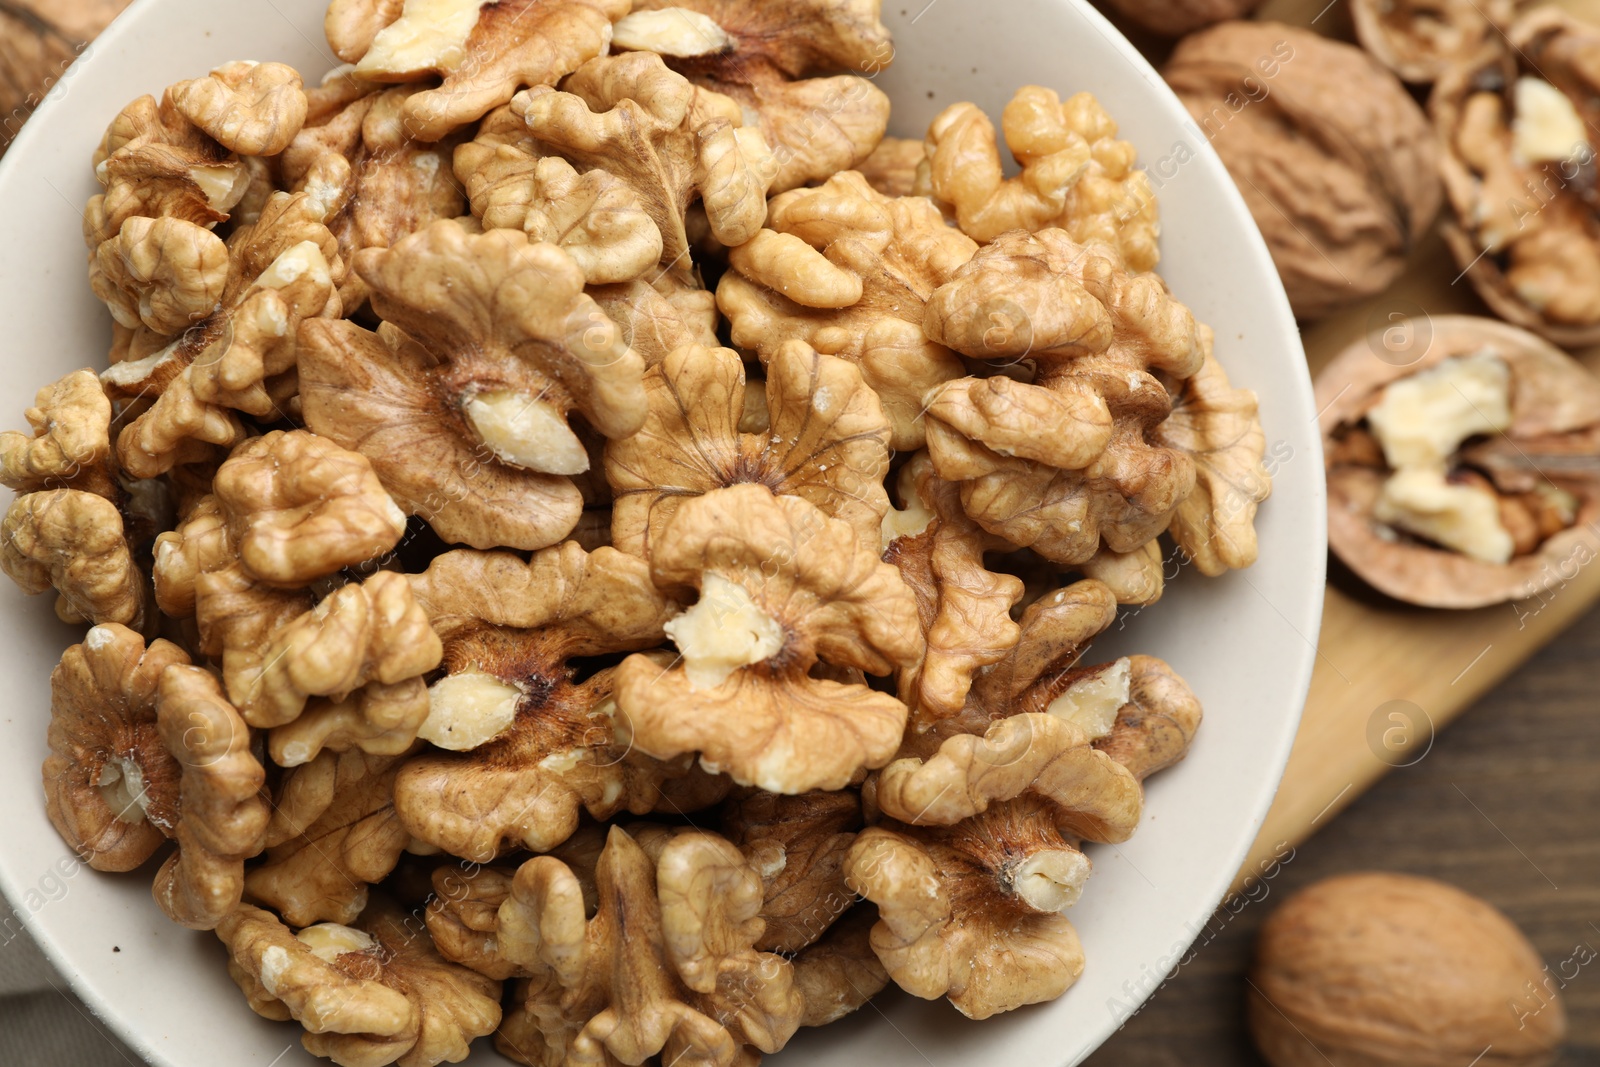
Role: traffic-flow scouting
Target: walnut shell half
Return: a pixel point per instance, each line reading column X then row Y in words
column 1334, row 159
column 1551, row 442
column 1385, row 970
column 1516, row 129
column 1422, row 39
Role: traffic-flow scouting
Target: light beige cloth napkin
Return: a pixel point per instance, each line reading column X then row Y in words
column 41, row 1023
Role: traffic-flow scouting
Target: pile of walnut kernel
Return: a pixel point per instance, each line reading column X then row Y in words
column 506, row 653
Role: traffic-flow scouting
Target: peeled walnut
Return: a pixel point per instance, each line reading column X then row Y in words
column 765, row 55
column 1076, row 176
column 373, row 993
column 1421, row 40
column 356, row 157
column 464, row 414
column 1156, row 726
column 483, row 51
column 1047, row 756
column 381, row 394
column 1518, row 169
column 797, row 845
column 299, row 507
column 978, row 856
column 783, row 588
column 71, row 443
column 76, row 524
column 1039, row 673
column 495, row 169
column 72, row 542
column 964, row 608
column 848, row 270
column 974, row 912
column 528, row 746
column 663, row 965
column 163, row 273
column 892, row 167
column 840, row 973
column 1071, row 460
column 825, row 439
column 1397, row 971
column 233, row 346
column 366, row 646
column 1335, row 160
column 595, row 216
column 671, row 142
column 512, row 182
column 334, row 831
column 198, row 572
column 111, row 785
column 154, row 163
column 254, row 109
column 1219, row 427
column 463, row 914
column 224, row 814
column 1169, row 19
column 1466, row 477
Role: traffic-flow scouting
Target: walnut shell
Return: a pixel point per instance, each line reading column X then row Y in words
column 1555, row 406
column 1422, row 39
column 1335, row 160
column 1174, row 18
column 1390, row 970
column 1525, row 233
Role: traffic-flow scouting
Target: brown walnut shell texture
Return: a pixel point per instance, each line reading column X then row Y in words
column 1389, row 970
column 1422, row 39
column 1552, row 397
column 1554, row 243
column 1335, row 160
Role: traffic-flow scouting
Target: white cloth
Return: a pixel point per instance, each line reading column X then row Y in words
column 41, row 1023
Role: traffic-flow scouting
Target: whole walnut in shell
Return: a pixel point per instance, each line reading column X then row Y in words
column 1334, row 159
column 1378, row 969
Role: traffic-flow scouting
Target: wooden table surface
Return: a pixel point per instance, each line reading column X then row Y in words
column 1505, row 805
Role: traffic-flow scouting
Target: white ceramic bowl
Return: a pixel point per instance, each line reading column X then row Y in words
column 1245, row 642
